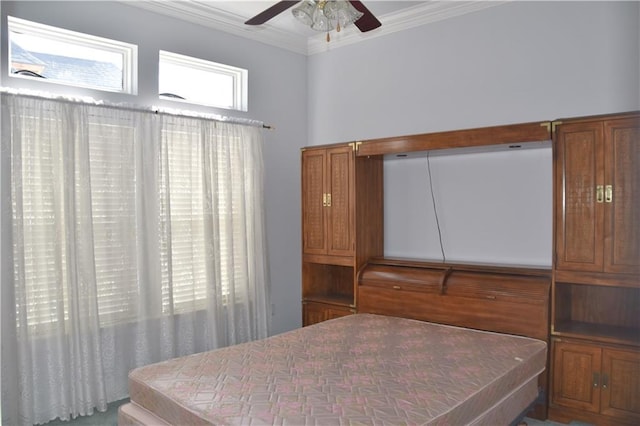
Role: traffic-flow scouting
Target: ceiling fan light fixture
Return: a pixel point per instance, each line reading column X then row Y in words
column 304, row 12
column 321, row 22
column 326, row 15
column 342, row 12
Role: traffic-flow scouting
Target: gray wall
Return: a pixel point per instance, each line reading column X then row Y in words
column 277, row 96
column 513, row 63
column 517, row 62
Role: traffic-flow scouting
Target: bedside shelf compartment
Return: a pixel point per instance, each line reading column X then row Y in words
column 328, row 283
column 602, row 313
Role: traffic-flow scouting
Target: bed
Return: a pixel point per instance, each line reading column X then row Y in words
column 365, row 368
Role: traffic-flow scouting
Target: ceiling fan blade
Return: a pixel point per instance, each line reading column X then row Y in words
column 367, row 22
column 270, row 12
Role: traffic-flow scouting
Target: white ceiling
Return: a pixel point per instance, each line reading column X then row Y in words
column 286, row 32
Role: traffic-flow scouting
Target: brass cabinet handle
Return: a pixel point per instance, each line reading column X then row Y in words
column 326, row 200
column 608, row 194
column 596, row 379
column 605, row 381
column 397, row 287
column 599, row 193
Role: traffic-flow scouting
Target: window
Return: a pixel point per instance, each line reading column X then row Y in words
column 57, row 55
column 183, row 254
column 82, row 198
column 112, row 175
column 202, row 82
column 113, row 201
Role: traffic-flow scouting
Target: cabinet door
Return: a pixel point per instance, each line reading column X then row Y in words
column 621, row 384
column 327, row 201
column 622, row 210
column 340, row 212
column 579, row 212
column 576, row 376
column 313, row 200
column 313, row 313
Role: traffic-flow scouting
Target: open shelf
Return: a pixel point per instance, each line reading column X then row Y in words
column 598, row 332
column 331, row 284
column 330, row 300
column 601, row 313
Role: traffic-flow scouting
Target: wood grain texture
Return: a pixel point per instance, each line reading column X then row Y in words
column 467, row 138
column 596, row 277
column 495, row 299
column 342, row 234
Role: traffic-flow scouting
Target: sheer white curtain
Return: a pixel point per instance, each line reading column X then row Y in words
column 128, row 237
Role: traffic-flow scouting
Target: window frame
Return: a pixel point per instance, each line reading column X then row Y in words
column 128, row 51
column 239, row 76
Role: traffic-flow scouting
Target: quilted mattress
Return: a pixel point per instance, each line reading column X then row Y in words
column 361, row 368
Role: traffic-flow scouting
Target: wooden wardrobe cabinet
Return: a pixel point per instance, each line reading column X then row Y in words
column 341, row 226
column 596, row 275
column 595, row 383
column 598, row 195
column 327, row 200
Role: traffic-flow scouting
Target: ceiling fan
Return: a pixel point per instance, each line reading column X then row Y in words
column 323, row 15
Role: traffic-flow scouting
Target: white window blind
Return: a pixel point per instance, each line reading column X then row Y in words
column 186, row 251
column 45, row 235
column 232, row 244
column 43, row 263
column 113, row 206
column 183, row 255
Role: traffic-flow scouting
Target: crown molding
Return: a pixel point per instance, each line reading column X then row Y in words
column 207, row 14
column 431, row 11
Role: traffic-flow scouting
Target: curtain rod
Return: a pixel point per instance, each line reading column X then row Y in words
column 86, row 100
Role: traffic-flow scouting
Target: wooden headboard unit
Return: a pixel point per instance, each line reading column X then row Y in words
column 503, row 299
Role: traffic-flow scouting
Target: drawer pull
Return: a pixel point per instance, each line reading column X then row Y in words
column 397, row 287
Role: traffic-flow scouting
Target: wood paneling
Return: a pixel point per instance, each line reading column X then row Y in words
column 501, row 299
column 622, row 218
column 468, row 138
column 595, row 383
column 580, row 159
column 621, row 384
column 327, row 204
column 596, row 232
column 576, row 377
column 340, row 188
column 313, row 212
column 313, row 313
